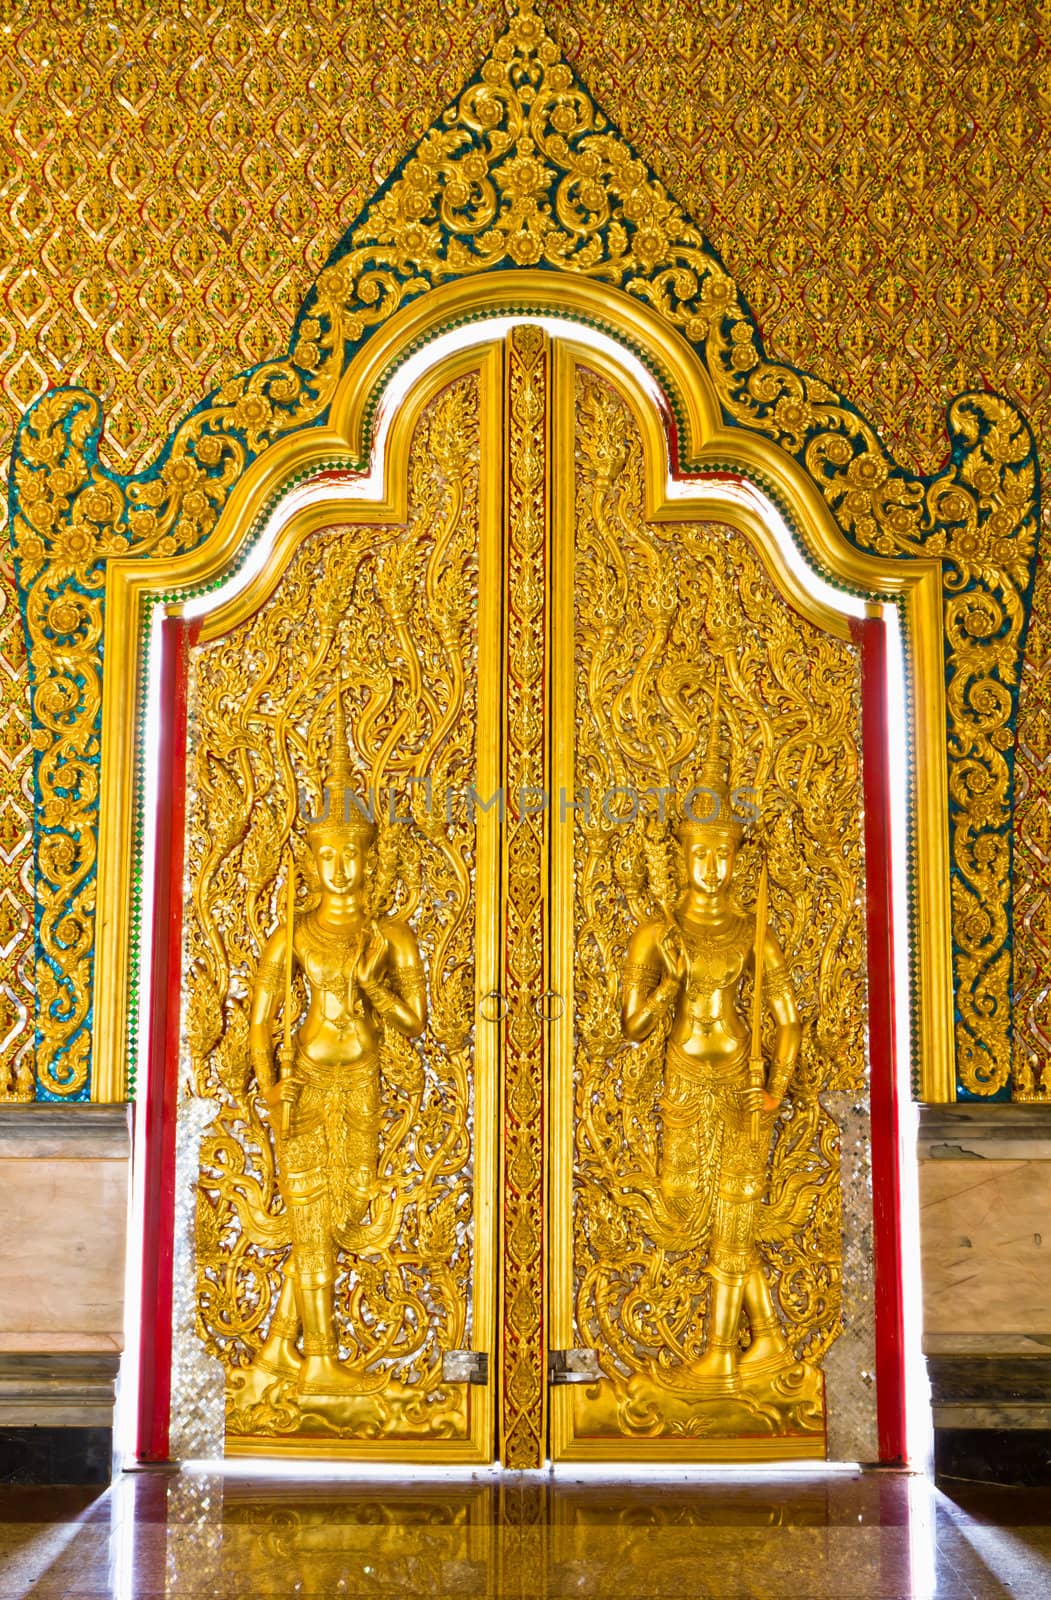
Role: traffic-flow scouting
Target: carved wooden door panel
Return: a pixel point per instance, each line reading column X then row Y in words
column 696, row 1246
column 344, row 1241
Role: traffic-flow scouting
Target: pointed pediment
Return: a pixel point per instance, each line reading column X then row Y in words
column 522, row 170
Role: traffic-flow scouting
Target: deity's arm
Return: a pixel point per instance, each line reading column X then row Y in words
column 650, row 991
column 267, row 994
column 399, row 989
column 781, row 998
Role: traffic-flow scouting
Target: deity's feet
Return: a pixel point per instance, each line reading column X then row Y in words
column 766, row 1354
column 716, row 1372
column 326, row 1377
column 277, row 1362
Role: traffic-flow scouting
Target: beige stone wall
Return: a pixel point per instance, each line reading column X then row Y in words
column 985, row 1214
column 64, row 1185
column 64, row 1181
column 986, row 1247
column 985, row 1230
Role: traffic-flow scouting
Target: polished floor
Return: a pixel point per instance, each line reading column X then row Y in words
column 865, row 1535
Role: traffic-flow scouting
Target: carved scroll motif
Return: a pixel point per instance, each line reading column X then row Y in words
column 525, row 1041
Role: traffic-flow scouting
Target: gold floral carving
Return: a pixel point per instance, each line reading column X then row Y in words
column 396, row 605
column 660, row 607
column 524, row 170
column 525, row 1037
column 979, row 518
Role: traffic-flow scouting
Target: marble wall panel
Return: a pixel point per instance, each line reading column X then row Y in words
column 985, row 1220
column 986, row 1238
column 64, row 1183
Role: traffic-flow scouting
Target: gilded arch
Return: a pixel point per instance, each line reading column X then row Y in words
column 521, row 175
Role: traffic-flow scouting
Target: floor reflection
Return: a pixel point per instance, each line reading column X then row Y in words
column 532, row 1538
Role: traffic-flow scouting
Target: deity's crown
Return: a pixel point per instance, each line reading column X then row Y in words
column 711, row 803
column 341, row 807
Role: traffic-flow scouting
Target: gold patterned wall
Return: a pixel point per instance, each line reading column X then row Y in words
column 874, row 173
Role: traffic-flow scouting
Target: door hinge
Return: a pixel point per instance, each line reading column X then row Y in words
column 465, row 1366
column 573, row 1366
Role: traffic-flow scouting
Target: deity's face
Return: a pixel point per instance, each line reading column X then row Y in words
column 340, row 858
column 709, row 859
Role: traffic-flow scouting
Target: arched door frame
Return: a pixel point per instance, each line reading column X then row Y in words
column 328, row 465
column 308, row 480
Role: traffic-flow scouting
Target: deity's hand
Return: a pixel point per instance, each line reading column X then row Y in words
column 372, row 958
column 756, row 1099
column 285, row 1092
column 672, row 954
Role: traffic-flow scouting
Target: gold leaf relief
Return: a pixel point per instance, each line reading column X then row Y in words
column 396, row 605
column 676, row 601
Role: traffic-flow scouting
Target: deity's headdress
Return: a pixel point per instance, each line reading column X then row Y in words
column 709, row 806
column 341, row 807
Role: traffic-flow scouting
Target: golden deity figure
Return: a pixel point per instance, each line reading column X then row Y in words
column 362, row 974
column 720, row 1100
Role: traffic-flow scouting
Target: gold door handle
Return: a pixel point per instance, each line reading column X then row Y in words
column 547, row 1013
column 493, row 1014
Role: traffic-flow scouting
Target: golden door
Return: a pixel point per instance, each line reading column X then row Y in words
column 516, row 668
column 345, row 1237
column 697, row 1245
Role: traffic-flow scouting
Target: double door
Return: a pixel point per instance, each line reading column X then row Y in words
column 526, row 630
